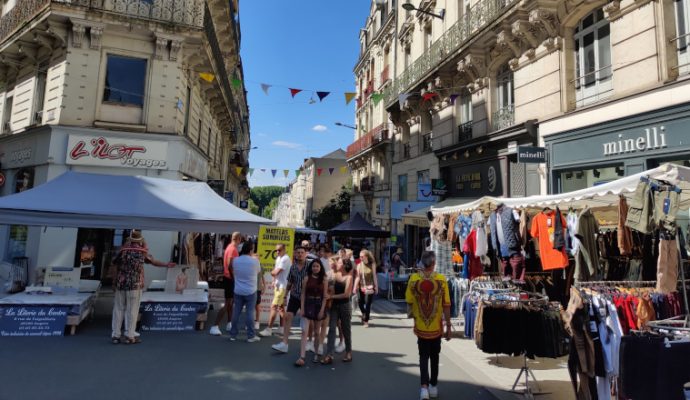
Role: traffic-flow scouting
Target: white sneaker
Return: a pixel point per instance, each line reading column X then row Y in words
column 215, row 331
column 257, row 325
column 232, row 338
column 340, row 347
column 228, row 327
column 320, row 351
column 310, row 346
column 254, row 339
column 281, row 347
column 266, row 332
column 433, row 391
column 424, row 394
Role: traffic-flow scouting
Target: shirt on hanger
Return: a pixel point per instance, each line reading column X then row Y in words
column 543, row 226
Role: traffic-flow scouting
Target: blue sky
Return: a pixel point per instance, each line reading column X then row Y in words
column 305, row 44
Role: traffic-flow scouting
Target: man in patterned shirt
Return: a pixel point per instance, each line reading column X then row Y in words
column 429, row 299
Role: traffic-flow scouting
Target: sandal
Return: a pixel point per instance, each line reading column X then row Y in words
column 115, row 340
column 299, row 362
column 327, row 360
column 134, row 340
column 347, row 359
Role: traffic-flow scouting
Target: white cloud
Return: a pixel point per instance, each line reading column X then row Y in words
column 319, row 128
column 287, row 145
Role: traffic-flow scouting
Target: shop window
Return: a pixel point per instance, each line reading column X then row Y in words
column 24, row 180
column 594, row 76
column 581, row 179
column 125, row 80
column 463, row 116
column 402, row 187
column 683, row 35
column 504, row 116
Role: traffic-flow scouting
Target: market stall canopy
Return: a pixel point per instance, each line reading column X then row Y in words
column 597, row 196
column 357, row 226
column 81, row 200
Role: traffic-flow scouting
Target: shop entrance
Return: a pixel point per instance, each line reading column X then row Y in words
column 95, row 250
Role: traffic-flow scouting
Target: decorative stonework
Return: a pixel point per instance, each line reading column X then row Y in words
column 553, row 43
column 175, row 47
column 612, row 9
column 161, row 47
column 95, row 34
column 78, row 33
column 545, row 20
column 505, row 40
column 472, row 66
column 526, row 31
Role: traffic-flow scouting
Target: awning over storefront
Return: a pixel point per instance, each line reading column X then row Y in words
column 81, row 200
column 596, row 196
column 419, row 217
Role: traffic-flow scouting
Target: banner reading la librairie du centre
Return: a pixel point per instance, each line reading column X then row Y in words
column 269, row 237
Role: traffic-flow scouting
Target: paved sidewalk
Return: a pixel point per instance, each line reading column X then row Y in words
column 498, row 373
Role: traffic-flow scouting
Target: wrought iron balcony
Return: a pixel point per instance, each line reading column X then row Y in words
column 371, row 139
column 465, row 132
column 366, row 184
column 218, row 60
column 177, row 12
column 503, row 117
column 480, row 15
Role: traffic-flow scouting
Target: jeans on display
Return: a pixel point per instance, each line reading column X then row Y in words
column 429, row 350
column 126, row 307
column 343, row 312
column 240, row 302
column 365, row 301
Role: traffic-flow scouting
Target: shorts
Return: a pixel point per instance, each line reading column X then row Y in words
column 229, row 287
column 279, row 298
column 294, row 304
column 258, row 297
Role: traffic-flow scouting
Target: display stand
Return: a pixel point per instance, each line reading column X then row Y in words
column 528, row 391
column 398, row 286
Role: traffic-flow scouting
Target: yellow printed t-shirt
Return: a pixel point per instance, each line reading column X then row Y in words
column 428, row 298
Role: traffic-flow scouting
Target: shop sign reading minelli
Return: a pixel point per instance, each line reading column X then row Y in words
column 116, row 152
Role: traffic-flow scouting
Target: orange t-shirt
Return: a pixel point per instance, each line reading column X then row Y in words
column 230, row 253
column 543, row 225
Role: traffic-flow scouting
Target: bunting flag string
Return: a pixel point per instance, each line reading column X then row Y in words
column 322, row 95
column 319, row 171
column 251, row 171
column 294, row 92
column 330, row 171
column 428, row 96
column 237, row 83
column 343, row 170
column 286, row 172
column 273, row 172
column 297, row 173
column 238, row 170
column 453, row 97
column 265, row 88
column 349, row 96
column 208, row 77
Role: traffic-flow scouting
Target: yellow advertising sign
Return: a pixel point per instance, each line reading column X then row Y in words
column 269, row 237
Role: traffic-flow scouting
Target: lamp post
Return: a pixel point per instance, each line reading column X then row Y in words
column 345, row 125
column 410, row 7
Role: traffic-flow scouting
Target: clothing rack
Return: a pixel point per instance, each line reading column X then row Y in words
column 616, row 283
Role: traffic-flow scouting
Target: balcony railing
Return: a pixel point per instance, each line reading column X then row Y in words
column 480, row 15
column 385, row 75
column 426, row 143
column 465, row 132
column 366, row 184
column 178, row 12
column 372, row 138
column 218, row 59
column 503, row 117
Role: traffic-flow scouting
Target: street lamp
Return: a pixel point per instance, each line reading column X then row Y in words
column 410, row 7
column 345, row 125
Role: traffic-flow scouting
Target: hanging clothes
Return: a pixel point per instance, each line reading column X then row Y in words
column 505, row 228
column 625, row 238
column 587, row 256
column 543, row 229
column 478, row 224
column 473, row 266
column 573, row 242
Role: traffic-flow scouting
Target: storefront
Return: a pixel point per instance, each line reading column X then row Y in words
column 487, row 165
column 597, row 154
column 33, row 158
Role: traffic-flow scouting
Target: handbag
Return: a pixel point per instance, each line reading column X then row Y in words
column 367, row 289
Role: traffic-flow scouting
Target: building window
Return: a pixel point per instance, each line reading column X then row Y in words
column 505, row 100
column 463, row 116
column 402, row 187
column 407, row 57
column 428, row 38
column 187, row 110
column 594, row 77
column 682, row 30
column 125, row 79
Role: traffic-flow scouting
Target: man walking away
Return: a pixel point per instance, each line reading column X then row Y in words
column 428, row 297
column 298, row 273
column 228, row 284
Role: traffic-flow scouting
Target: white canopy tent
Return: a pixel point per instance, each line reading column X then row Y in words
column 598, row 196
column 81, row 200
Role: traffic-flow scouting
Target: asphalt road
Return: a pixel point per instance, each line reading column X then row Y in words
column 197, row 365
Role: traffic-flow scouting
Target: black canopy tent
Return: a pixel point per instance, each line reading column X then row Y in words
column 358, row 227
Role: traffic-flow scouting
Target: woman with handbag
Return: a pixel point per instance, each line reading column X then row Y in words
column 313, row 307
column 366, row 284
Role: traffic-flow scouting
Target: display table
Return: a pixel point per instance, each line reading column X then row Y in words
column 173, row 312
column 159, row 286
column 24, row 314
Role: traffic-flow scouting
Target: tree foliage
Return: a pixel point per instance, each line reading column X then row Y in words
column 336, row 211
column 262, row 196
column 253, row 208
column 268, row 211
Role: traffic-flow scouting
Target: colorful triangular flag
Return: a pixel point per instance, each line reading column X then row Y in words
column 343, row 170
column 429, row 96
column 402, row 99
column 349, row 96
column 251, row 171
column 453, row 97
column 263, row 170
column 265, row 88
column 293, row 92
column 208, row 77
column 236, row 83
column 376, row 97
column 322, row 95
column 297, row 173
column 319, row 171
column 330, row 171
column 273, row 172
column 286, row 172
column 238, row 170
